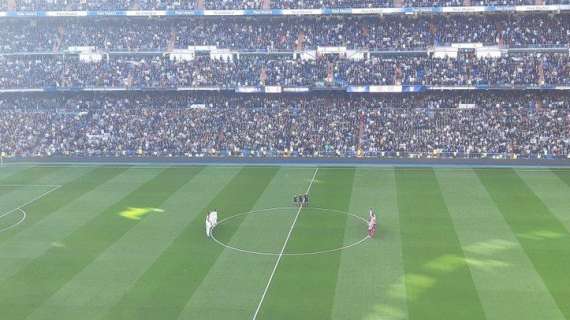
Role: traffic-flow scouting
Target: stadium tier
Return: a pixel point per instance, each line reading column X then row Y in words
column 253, row 71
column 285, row 34
column 352, row 85
column 57, row 5
column 420, row 126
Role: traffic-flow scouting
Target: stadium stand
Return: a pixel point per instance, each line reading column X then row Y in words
column 55, row 5
column 390, row 33
column 321, row 85
column 441, row 125
column 163, row 72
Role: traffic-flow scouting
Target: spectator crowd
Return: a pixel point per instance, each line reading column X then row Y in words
column 32, row 5
column 157, row 121
column 437, row 125
column 287, row 33
column 249, row 70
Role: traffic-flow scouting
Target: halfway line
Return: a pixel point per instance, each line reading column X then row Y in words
column 282, row 250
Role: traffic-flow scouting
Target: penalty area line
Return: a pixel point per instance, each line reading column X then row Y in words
column 20, row 208
column 282, row 250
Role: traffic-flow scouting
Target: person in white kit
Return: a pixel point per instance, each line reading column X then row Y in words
column 371, row 223
column 211, row 222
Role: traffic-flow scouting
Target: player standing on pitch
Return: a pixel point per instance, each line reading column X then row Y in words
column 371, row 223
column 211, row 222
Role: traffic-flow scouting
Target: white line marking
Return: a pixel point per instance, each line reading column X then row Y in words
column 53, row 188
column 268, row 211
column 17, row 223
column 31, row 185
column 282, row 250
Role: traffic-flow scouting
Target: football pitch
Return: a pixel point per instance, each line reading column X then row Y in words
column 128, row 242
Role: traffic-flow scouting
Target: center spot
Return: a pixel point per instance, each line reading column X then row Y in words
column 317, row 230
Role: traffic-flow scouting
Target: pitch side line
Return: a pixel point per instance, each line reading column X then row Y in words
column 282, row 250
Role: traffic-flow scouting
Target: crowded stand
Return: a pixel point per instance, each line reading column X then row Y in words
column 68, row 5
column 82, row 5
column 525, row 126
column 394, row 86
column 165, row 72
column 371, row 33
column 316, row 4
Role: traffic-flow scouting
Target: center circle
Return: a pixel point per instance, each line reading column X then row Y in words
column 270, row 227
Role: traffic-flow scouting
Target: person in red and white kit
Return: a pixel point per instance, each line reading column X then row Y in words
column 371, row 223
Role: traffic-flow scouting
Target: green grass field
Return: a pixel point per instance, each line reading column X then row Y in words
column 105, row 242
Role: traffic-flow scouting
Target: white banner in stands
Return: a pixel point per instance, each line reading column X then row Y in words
column 224, row 12
column 307, row 55
column 296, row 89
column 536, row 8
column 375, row 10
column 81, row 49
column 90, row 57
column 182, row 56
column 331, row 50
column 444, row 52
column 489, row 52
column 145, row 13
column 249, row 89
column 385, row 88
column 467, row 106
column 295, row 12
column 66, row 14
column 356, row 55
column 470, row 9
column 273, row 89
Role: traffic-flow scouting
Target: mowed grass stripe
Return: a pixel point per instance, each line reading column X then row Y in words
column 36, row 176
column 6, row 172
column 303, row 287
column 19, row 177
column 553, row 189
column 543, row 237
column 32, row 285
column 235, row 294
column 428, row 235
column 564, row 175
column 164, row 289
column 74, row 184
column 100, row 194
column 370, row 282
column 28, row 175
column 49, row 202
column 87, row 299
column 508, row 285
